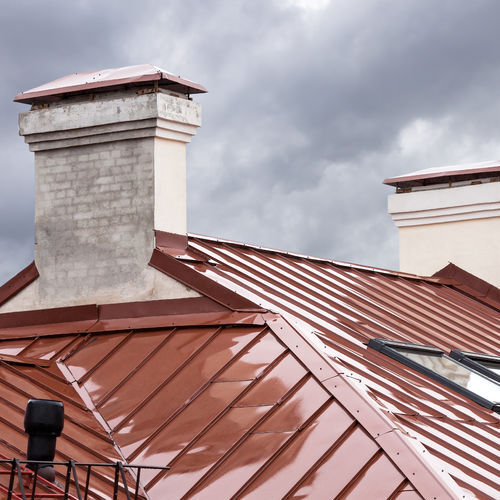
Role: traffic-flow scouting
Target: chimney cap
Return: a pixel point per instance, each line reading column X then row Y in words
column 108, row 79
column 442, row 175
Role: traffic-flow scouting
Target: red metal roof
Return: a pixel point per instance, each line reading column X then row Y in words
column 83, row 436
column 243, row 403
column 108, row 79
column 236, row 410
column 343, row 307
column 441, row 175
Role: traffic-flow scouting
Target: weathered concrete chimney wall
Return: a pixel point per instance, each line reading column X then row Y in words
column 457, row 222
column 109, row 169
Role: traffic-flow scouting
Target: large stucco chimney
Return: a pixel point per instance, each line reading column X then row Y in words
column 449, row 215
column 110, row 168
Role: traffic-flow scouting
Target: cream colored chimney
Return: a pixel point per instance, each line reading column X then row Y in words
column 449, row 214
column 110, row 168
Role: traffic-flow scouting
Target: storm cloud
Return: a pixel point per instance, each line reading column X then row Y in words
column 311, row 104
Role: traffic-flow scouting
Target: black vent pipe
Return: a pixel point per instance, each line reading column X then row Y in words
column 43, row 422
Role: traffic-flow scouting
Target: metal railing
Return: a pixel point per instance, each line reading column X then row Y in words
column 129, row 488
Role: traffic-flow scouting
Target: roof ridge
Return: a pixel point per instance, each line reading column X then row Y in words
column 359, row 267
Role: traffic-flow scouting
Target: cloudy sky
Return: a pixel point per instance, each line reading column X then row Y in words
column 311, row 104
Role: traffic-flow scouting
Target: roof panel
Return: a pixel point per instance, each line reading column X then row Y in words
column 300, row 407
column 276, row 383
column 377, row 480
column 209, row 450
column 255, row 359
column 126, row 398
column 302, row 455
column 321, row 483
column 181, row 387
column 246, row 461
column 131, row 351
column 178, row 433
column 88, row 355
column 45, row 347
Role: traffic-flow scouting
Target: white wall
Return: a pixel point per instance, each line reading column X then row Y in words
column 473, row 245
column 455, row 224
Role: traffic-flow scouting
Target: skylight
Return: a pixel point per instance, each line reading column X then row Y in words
column 477, row 379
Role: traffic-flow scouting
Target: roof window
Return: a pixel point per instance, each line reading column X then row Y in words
column 479, row 383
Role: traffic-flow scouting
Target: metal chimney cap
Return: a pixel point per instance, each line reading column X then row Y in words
column 108, row 79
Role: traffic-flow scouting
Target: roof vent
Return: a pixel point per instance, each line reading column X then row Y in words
column 43, row 422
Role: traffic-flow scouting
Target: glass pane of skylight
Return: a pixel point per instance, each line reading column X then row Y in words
column 448, row 368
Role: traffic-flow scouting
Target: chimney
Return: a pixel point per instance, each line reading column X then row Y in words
column 449, row 215
column 110, row 168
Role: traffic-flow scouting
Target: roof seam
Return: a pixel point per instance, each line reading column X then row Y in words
column 86, row 398
column 149, row 396
column 221, row 414
column 194, row 396
column 134, row 370
column 294, row 435
column 319, row 462
column 244, row 437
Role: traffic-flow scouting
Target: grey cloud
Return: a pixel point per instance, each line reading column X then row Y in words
column 305, row 112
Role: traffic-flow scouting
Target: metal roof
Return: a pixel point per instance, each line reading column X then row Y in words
column 236, row 410
column 441, row 175
column 20, row 380
column 108, row 79
column 342, row 307
column 245, row 403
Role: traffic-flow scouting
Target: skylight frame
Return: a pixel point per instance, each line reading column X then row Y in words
column 471, row 360
column 387, row 347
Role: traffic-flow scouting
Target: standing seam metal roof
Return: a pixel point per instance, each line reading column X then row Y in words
column 254, row 403
column 240, row 410
column 343, row 307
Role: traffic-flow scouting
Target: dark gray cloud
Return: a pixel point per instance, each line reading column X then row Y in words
column 311, row 105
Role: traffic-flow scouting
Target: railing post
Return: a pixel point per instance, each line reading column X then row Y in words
column 124, row 480
column 11, row 479
column 87, row 482
column 138, row 479
column 20, row 478
column 77, row 486
column 35, row 477
column 68, row 478
column 115, row 491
